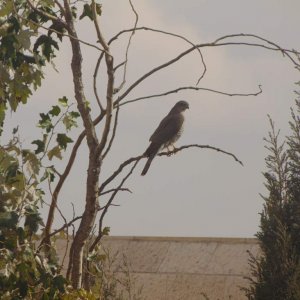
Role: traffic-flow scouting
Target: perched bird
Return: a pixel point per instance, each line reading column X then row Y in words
column 167, row 133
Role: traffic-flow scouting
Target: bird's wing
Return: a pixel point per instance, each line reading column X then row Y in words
column 168, row 127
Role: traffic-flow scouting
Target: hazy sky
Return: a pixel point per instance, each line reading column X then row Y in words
column 196, row 192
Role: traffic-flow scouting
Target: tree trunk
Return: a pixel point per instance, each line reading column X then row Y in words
column 92, row 183
column 87, row 222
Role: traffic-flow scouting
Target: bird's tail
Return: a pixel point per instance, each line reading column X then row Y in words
column 147, row 165
column 151, row 152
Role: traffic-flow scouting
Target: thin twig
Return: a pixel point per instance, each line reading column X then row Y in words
column 113, row 133
column 192, row 88
column 65, row 226
column 151, row 72
column 283, row 51
column 70, row 223
column 61, row 33
column 138, row 158
column 108, row 204
column 62, row 179
column 110, row 82
column 168, row 153
column 95, row 82
column 45, row 14
column 165, row 33
column 61, row 8
column 128, row 46
column 118, row 66
column 186, row 52
column 112, row 190
column 257, row 37
column 97, row 27
column 118, row 171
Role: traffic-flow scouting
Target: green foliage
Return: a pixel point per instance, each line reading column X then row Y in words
column 276, row 272
column 49, row 122
column 24, row 272
column 87, row 11
column 24, row 51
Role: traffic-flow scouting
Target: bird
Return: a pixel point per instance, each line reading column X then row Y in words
column 167, row 133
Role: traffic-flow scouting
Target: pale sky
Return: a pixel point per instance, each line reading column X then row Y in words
column 196, row 192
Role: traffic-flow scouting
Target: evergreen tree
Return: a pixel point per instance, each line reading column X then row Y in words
column 276, row 271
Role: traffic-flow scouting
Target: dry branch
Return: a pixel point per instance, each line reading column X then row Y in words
column 62, row 178
column 127, row 48
column 201, row 147
column 191, row 88
column 108, row 204
column 165, row 33
column 213, row 44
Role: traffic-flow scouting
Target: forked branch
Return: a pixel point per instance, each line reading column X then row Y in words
column 138, row 158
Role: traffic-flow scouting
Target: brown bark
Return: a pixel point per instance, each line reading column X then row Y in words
column 92, row 185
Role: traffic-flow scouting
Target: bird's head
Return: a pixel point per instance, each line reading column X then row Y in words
column 181, row 106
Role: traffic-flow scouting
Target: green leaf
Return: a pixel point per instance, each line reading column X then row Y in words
column 75, row 114
column 12, row 170
column 54, row 152
column 22, row 285
column 8, row 219
column 106, row 230
column 32, row 163
column 58, row 28
column 14, row 25
column 2, row 114
column 63, row 101
column 87, row 12
column 59, row 282
column 32, row 220
column 74, row 11
column 98, row 9
column 55, row 111
column 69, row 122
column 49, row 173
column 40, row 146
column 63, row 140
column 47, row 44
column 24, row 38
column 6, row 9
column 45, row 122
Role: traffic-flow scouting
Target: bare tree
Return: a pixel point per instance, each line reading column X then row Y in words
column 117, row 96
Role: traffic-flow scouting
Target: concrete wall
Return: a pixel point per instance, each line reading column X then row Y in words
column 184, row 268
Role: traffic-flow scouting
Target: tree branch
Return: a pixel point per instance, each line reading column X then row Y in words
column 165, row 33
column 110, row 82
column 94, row 164
column 168, row 153
column 256, row 37
column 127, row 48
column 61, row 181
column 118, row 189
column 191, row 88
column 95, row 82
column 98, row 238
column 47, row 15
column 113, row 133
column 118, row 171
column 138, row 158
column 186, row 52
